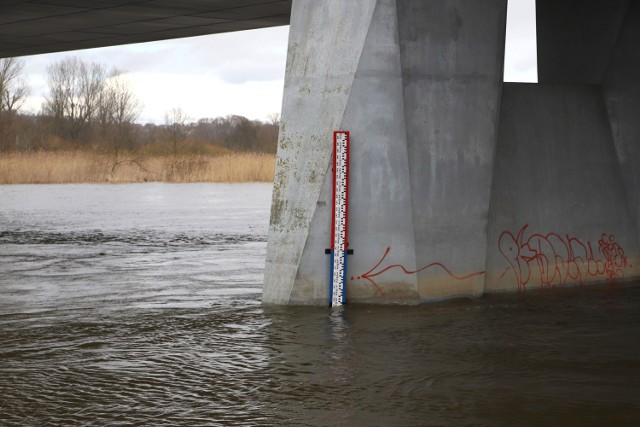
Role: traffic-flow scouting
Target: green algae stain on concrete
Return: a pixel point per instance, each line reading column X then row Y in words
column 300, row 219
column 313, row 177
column 277, row 209
column 279, row 204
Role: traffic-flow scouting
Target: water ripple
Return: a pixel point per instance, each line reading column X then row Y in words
column 145, row 238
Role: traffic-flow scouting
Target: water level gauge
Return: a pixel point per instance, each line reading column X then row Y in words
column 339, row 242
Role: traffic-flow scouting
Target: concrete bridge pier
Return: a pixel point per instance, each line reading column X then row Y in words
column 566, row 187
column 418, row 85
column 460, row 184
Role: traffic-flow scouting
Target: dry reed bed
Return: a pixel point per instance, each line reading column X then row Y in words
column 84, row 167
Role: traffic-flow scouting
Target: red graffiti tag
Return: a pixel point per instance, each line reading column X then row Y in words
column 372, row 273
column 558, row 260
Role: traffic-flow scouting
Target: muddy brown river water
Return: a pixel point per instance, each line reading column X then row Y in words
column 140, row 305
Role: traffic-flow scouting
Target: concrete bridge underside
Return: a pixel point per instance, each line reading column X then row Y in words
column 29, row 27
column 461, row 184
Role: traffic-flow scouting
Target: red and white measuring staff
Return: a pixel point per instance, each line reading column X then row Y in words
column 339, row 242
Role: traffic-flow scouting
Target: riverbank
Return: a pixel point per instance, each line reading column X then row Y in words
column 85, row 167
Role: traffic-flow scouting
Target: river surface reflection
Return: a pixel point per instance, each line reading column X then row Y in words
column 140, row 305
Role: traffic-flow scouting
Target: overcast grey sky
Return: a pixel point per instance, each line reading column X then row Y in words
column 238, row 73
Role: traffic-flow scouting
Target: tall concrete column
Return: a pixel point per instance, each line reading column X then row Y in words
column 326, row 40
column 418, row 86
column 452, row 62
column 559, row 212
column 621, row 88
column 564, row 199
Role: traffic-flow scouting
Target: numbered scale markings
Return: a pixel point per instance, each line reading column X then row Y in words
column 339, row 242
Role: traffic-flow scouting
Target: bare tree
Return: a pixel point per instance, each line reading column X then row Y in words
column 13, row 88
column 126, row 107
column 75, row 90
column 177, row 127
column 238, row 133
column 13, row 94
column 274, row 119
column 118, row 108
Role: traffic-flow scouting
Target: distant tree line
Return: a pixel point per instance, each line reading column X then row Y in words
column 89, row 106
